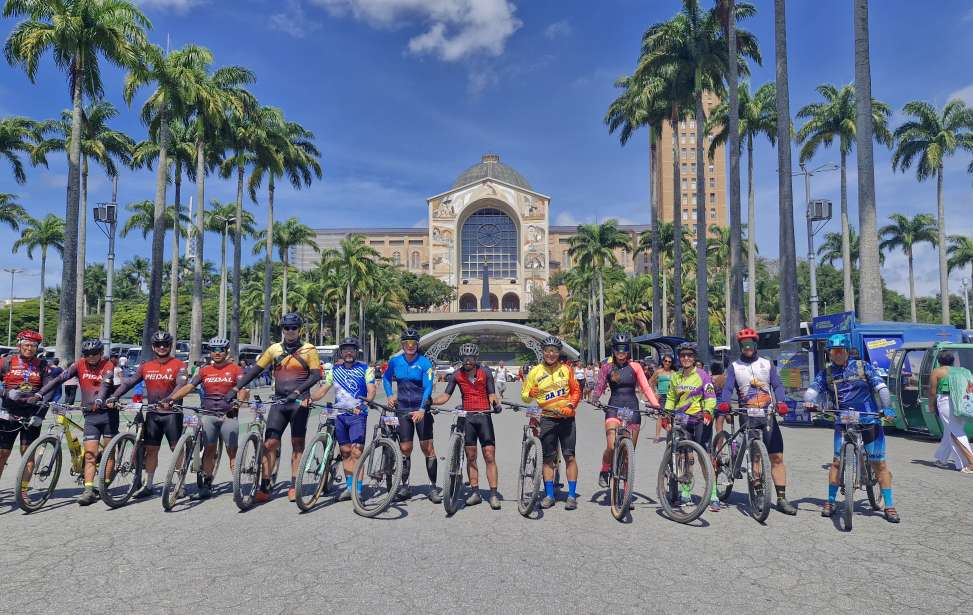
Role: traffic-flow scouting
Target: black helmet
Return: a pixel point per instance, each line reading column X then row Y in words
column 409, row 334
column 622, row 341
column 92, row 347
column 469, row 350
column 686, row 347
column 292, row 319
column 349, row 341
column 551, row 340
column 162, row 338
column 218, row 344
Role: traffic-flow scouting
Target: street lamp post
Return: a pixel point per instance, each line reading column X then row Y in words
column 817, row 211
column 106, row 215
column 966, row 300
column 10, row 319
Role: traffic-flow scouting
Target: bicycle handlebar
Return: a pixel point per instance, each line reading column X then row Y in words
column 653, row 410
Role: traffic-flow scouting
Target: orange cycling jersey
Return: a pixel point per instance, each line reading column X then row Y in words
column 557, row 392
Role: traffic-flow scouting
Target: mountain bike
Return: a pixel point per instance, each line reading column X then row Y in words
column 120, row 470
column 249, row 470
column 378, row 472
column 621, row 473
column 745, row 451
column 187, row 457
column 455, row 459
column 530, row 473
column 319, row 462
column 682, row 460
column 42, row 459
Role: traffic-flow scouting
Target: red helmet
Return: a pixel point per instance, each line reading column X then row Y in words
column 747, row 334
column 30, row 335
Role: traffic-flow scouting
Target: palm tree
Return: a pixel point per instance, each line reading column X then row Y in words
column 629, row 303
column 45, row 234
column 667, row 250
column 137, row 270
column 757, row 116
column 834, row 118
column 11, row 213
column 18, row 135
column 593, row 247
column 353, row 259
column 960, row 254
column 928, row 140
column 288, row 234
column 142, row 219
column 831, row 250
column 219, row 217
column 113, row 29
column 906, row 233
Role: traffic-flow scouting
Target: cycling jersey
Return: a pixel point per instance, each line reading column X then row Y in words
column 852, row 386
column 23, row 375
column 558, row 392
column 692, row 393
column 755, row 383
column 160, row 378
column 216, row 380
column 476, row 388
column 94, row 381
column 291, row 368
column 413, row 381
column 350, row 384
column 622, row 381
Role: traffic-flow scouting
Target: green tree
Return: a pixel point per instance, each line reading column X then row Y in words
column 288, row 234
column 906, row 233
column 11, row 213
column 353, row 261
column 220, row 217
column 44, row 234
column 960, row 253
column 593, row 247
column 18, row 136
column 423, row 291
column 630, row 303
column 543, row 310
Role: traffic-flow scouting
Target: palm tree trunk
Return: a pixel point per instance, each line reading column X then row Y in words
column 67, row 317
column 337, row 320
column 751, row 239
column 174, row 266
column 846, row 264
column 912, row 288
column 196, row 324
column 348, row 309
column 283, row 258
column 40, row 323
column 941, row 228
column 269, row 259
column 601, row 313
column 734, row 307
column 221, row 326
column 676, row 228
column 657, row 310
column 158, row 240
column 82, row 243
column 727, row 299
column 702, row 283
column 665, row 303
column 870, row 275
column 237, row 256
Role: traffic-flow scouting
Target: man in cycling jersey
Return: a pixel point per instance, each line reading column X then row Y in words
column 352, row 381
column 296, row 367
column 622, row 376
column 553, row 386
column 757, row 386
column 161, row 376
column 691, row 392
column 216, row 379
column 852, row 384
column 95, row 376
column 477, row 387
column 23, row 373
column 413, row 375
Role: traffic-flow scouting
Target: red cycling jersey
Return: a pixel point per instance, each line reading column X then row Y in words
column 26, row 376
column 160, row 378
column 92, row 380
column 217, row 382
column 476, row 390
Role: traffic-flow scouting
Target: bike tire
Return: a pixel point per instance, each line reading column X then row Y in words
column 622, row 479
column 723, row 465
column 249, row 465
column 759, row 487
column 529, row 481
column 126, row 457
column 182, row 458
column 453, row 481
column 30, row 504
column 389, row 472
column 849, row 472
column 313, row 472
column 870, row 480
column 664, row 489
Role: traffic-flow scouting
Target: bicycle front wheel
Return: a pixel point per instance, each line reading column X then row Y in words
column 247, row 474
column 313, row 471
column 182, row 458
column 685, row 481
column 120, row 470
column 723, row 465
column 529, row 480
column 759, row 482
column 453, row 483
column 378, row 473
column 870, row 480
column 43, row 460
column 623, row 477
column 849, row 472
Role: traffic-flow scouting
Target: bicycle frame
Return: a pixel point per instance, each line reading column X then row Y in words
column 744, row 435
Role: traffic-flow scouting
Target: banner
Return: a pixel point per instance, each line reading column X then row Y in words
column 795, row 375
column 833, row 323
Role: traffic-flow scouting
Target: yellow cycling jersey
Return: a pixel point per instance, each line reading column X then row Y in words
column 555, row 390
column 291, row 369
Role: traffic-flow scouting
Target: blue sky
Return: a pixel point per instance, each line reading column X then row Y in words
column 403, row 95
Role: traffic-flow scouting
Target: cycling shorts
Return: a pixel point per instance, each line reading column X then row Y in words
column 100, row 424
column 612, row 420
column 158, row 425
column 10, row 429
column 873, row 436
column 479, row 426
column 409, row 430
column 281, row 415
column 350, row 428
column 216, row 428
column 558, row 431
column 700, row 433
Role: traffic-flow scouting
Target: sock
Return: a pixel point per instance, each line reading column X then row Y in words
column 887, row 496
column 685, row 490
column 605, row 468
column 149, row 478
column 432, row 469
column 493, row 491
column 406, row 469
column 265, row 484
column 572, row 488
column 88, row 485
column 549, row 488
column 781, row 489
column 832, row 493
column 348, row 481
column 712, row 496
column 24, row 484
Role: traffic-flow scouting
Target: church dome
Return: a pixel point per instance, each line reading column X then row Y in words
column 491, row 167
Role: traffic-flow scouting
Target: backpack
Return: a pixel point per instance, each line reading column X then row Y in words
column 962, row 399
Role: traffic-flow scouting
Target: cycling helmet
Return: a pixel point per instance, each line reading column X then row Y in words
column 689, row 347
column 349, row 342
column 92, row 347
column 162, row 338
column 747, row 334
column 469, row 350
column 29, row 335
column 839, row 340
column 622, row 341
column 551, row 340
column 409, row 334
column 218, row 344
column 292, row 319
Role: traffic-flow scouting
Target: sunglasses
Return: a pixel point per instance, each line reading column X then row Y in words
column 92, row 353
column 290, row 328
column 162, row 345
column 687, row 356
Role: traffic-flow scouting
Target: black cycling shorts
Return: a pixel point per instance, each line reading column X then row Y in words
column 10, row 429
column 479, row 426
column 279, row 417
column 158, row 425
column 100, row 424
column 409, row 430
column 773, row 439
column 558, row 431
column 701, row 433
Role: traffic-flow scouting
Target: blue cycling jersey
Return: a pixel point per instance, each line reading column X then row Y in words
column 413, row 380
column 856, row 384
column 351, row 385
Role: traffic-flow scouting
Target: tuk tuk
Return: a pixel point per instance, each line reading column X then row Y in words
column 908, row 382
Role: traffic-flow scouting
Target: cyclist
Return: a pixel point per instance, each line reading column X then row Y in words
column 478, row 389
column 95, row 376
column 296, row 367
column 161, row 376
column 853, row 384
column 216, row 379
column 622, row 376
column 553, row 386
column 413, row 375
column 691, row 391
column 22, row 374
column 755, row 382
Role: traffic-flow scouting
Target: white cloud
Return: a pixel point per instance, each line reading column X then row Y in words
column 558, row 28
column 455, row 29
column 177, row 6
column 293, row 20
column 965, row 94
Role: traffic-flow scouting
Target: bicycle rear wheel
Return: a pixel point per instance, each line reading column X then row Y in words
column 870, row 480
column 453, row 483
column 683, row 493
column 529, row 480
column 623, row 477
column 849, row 471
column 378, row 473
column 248, row 472
column 723, row 465
column 182, row 458
column 314, row 471
column 120, row 470
column 47, row 456
column 759, row 482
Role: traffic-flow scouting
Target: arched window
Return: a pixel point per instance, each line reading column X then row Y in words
column 467, row 303
column 494, row 303
column 414, row 260
column 511, row 303
column 396, row 258
column 489, row 235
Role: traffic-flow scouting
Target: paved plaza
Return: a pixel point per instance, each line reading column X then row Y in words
column 211, row 558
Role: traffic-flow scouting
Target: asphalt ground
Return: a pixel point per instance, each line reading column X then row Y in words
column 211, row 558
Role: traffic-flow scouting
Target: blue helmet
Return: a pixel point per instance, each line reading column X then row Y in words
column 839, row 340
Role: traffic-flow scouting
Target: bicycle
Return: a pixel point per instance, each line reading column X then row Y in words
column 124, row 459
column 621, row 473
column 745, row 450
column 380, row 464
column 455, row 459
column 187, row 457
column 676, row 476
column 530, row 473
column 249, row 458
column 319, row 462
column 43, row 458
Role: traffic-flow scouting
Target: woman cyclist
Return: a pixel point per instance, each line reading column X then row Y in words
column 659, row 382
